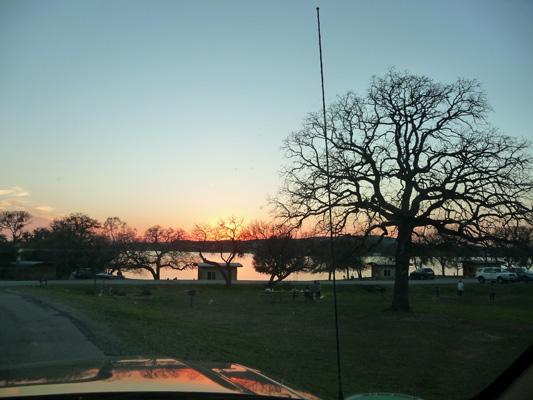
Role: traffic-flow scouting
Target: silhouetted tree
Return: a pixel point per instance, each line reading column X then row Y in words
column 155, row 251
column 444, row 250
column 75, row 242
column 515, row 244
column 123, row 241
column 410, row 153
column 348, row 255
column 227, row 236
column 14, row 222
column 277, row 252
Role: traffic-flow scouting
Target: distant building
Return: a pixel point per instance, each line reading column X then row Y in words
column 30, row 270
column 383, row 270
column 210, row 272
column 470, row 266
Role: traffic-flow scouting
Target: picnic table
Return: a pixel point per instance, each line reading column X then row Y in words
column 275, row 296
column 278, row 296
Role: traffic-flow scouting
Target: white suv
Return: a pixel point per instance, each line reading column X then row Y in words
column 495, row 274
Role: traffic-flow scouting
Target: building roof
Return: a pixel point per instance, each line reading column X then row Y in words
column 383, row 264
column 211, row 265
column 31, row 263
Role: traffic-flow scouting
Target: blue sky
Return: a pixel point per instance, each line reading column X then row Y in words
column 173, row 112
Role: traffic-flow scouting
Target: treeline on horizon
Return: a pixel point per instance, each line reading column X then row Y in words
column 78, row 241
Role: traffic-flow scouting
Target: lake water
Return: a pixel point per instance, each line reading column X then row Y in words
column 248, row 273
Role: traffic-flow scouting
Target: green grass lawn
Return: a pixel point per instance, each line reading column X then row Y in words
column 446, row 348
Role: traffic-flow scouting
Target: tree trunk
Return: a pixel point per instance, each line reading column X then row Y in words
column 226, row 274
column 400, row 300
column 155, row 273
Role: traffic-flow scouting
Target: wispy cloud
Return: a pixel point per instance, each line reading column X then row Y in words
column 17, row 198
column 16, row 203
column 15, row 191
column 11, row 198
column 43, row 209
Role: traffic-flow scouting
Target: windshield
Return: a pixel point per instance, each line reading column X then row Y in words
column 253, row 183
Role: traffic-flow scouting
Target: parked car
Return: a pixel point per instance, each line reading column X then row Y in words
column 494, row 274
column 104, row 275
column 87, row 273
column 522, row 274
column 84, row 273
column 422, row 273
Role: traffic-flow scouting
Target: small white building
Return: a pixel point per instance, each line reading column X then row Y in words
column 210, row 272
column 383, row 270
column 29, row 270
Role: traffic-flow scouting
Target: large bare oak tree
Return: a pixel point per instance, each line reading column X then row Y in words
column 409, row 154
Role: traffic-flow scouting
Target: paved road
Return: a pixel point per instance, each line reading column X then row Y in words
column 31, row 332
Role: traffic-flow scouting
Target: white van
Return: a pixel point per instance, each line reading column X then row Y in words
column 495, row 275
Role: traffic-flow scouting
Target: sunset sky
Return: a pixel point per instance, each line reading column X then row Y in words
column 174, row 112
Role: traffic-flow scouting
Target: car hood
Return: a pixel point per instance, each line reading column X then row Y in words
column 143, row 375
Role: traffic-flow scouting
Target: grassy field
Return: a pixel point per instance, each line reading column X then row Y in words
column 447, row 348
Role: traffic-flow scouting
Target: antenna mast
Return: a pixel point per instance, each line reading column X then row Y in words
column 340, row 396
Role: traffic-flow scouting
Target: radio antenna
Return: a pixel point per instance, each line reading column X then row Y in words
column 340, row 396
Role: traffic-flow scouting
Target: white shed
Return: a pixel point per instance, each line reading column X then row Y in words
column 210, row 272
column 383, row 270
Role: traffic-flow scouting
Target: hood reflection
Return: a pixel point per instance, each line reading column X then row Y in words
column 142, row 375
column 260, row 384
